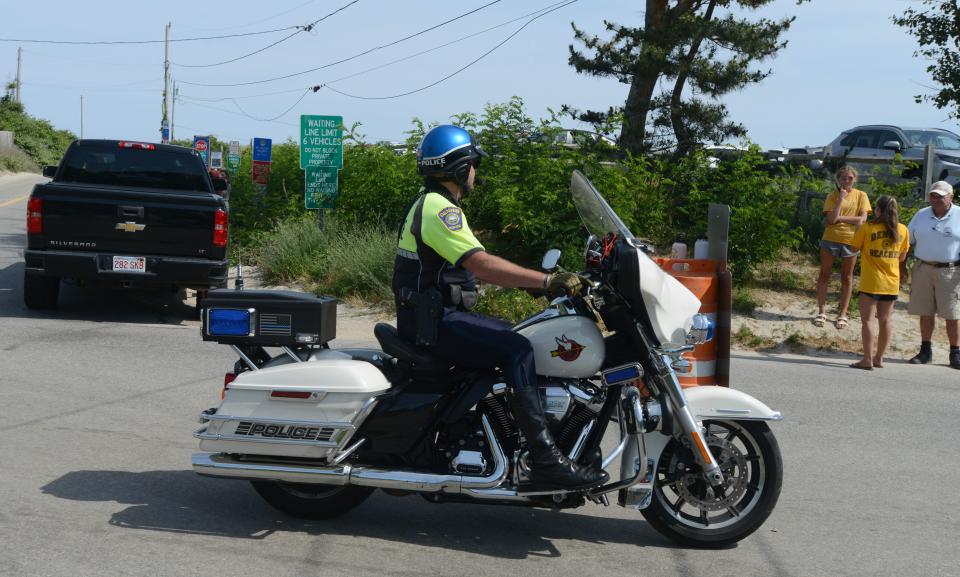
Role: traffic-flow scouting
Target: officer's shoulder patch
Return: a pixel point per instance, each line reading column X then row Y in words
column 451, row 217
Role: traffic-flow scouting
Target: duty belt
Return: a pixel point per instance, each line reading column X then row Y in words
column 941, row 264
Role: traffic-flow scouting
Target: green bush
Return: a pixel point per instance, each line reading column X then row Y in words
column 345, row 259
column 37, row 138
column 511, row 305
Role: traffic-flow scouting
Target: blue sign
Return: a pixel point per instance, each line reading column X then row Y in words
column 262, row 149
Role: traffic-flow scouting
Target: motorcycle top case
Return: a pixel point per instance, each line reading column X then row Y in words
column 268, row 318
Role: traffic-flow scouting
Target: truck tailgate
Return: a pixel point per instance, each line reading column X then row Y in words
column 126, row 220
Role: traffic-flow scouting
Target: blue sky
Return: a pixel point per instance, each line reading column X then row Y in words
column 846, row 64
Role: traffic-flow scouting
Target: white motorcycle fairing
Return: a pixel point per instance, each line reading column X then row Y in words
column 670, row 305
column 306, row 410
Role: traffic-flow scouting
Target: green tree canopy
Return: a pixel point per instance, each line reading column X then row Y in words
column 697, row 51
column 937, row 30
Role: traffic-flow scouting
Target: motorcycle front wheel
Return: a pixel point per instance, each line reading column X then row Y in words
column 688, row 510
column 305, row 501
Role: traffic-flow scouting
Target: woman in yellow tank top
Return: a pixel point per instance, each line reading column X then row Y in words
column 844, row 210
column 884, row 244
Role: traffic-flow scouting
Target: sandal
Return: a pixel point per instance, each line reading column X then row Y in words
column 842, row 323
column 819, row 320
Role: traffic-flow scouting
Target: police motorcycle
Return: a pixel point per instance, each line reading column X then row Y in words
column 317, row 430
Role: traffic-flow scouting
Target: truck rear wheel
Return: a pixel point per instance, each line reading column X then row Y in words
column 40, row 292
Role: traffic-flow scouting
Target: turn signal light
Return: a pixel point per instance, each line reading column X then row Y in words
column 34, row 216
column 220, row 225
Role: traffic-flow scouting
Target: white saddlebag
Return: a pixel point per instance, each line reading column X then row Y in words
column 308, row 410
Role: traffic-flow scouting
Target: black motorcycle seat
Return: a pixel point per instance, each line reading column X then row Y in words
column 396, row 347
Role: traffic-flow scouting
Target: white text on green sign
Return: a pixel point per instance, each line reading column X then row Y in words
column 320, row 186
column 321, row 141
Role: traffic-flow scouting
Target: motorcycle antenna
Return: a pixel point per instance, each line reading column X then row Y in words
column 238, row 281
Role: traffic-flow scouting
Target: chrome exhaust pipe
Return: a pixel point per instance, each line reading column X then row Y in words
column 222, row 465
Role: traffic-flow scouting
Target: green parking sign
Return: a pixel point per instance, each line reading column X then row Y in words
column 321, row 141
column 320, row 186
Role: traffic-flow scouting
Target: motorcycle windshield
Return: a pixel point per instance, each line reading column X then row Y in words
column 597, row 216
column 669, row 305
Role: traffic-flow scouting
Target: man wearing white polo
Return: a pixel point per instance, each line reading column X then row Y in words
column 935, row 277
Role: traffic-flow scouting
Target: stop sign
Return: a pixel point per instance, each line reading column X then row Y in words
column 201, row 145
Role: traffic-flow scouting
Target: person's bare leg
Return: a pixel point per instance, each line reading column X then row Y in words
column 953, row 332
column 885, row 322
column 868, row 333
column 846, row 283
column 926, row 327
column 823, row 279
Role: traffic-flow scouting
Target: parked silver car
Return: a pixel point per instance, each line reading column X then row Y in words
column 878, row 141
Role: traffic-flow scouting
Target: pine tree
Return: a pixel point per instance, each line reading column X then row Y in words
column 697, row 51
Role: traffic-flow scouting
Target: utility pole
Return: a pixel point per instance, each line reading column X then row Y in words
column 173, row 110
column 164, row 123
column 19, row 62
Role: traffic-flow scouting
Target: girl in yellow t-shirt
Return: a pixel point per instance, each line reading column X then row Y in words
column 884, row 244
column 844, row 210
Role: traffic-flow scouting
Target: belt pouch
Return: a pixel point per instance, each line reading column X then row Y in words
column 429, row 305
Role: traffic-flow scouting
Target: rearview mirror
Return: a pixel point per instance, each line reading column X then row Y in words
column 551, row 259
column 219, row 184
column 891, row 145
column 50, row 171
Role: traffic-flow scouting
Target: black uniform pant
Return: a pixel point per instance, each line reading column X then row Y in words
column 475, row 341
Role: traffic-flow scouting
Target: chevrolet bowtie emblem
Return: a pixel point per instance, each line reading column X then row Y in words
column 130, row 226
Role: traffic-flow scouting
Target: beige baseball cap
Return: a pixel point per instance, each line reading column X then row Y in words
column 940, row 188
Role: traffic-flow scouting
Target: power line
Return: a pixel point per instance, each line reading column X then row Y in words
column 300, row 29
column 347, row 59
column 234, row 113
column 295, row 8
column 458, row 71
column 390, row 63
column 112, row 42
column 435, row 48
column 535, row 15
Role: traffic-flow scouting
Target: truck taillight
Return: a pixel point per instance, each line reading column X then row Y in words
column 220, row 225
column 34, row 216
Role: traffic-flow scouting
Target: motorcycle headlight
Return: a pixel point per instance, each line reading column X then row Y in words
column 701, row 331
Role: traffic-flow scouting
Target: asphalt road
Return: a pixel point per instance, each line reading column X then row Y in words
column 99, row 398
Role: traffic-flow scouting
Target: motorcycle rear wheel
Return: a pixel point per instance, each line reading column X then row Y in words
column 687, row 510
column 305, row 501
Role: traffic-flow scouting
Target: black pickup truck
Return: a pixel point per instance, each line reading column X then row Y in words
column 125, row 214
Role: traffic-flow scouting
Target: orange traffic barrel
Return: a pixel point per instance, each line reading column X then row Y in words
column 701, row 277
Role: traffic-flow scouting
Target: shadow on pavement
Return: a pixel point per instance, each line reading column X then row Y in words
column 96, row 304
column 184, row 502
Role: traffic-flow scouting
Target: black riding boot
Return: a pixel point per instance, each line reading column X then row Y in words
column 549, row 467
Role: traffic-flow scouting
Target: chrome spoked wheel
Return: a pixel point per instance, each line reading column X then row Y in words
column 689, row 510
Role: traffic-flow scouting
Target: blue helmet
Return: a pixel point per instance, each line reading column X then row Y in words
column 448, row 151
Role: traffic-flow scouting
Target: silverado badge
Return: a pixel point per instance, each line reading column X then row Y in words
column 130, row 226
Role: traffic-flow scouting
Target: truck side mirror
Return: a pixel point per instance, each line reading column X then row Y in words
column 219, row 184
column 50, row 171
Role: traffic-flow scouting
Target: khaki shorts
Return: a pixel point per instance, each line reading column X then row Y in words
column 935, row 291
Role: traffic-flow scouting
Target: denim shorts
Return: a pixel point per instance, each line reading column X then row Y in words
column 838, row 249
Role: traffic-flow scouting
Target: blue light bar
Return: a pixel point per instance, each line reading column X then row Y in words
column 230, row 322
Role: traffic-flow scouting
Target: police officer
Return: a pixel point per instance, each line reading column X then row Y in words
column 437, row 253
